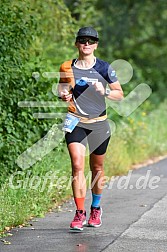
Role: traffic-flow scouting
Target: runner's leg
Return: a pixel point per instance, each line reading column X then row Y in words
column 77, row 151
column 97, row 169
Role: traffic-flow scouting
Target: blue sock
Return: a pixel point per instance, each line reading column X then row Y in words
column 96, row 200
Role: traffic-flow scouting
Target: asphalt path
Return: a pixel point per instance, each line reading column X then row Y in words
column 134, row 219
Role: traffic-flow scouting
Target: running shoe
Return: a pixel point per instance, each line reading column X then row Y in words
column 95, row 217
column 79, row 221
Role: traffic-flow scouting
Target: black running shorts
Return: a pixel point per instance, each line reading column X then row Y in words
column 97, row 135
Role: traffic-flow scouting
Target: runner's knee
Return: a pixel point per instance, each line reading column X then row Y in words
column 77, row 166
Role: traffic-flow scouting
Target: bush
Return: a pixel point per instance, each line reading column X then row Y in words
column 30, row 32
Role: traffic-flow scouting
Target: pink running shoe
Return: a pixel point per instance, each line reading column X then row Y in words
column 95, row 217
column 78, row 221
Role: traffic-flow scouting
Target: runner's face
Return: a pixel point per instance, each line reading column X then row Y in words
column 86, row 48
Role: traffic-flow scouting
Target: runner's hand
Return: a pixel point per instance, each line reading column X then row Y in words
column 66, row 96
column 99, row 87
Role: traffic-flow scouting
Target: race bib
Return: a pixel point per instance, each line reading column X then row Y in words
column 70, row 122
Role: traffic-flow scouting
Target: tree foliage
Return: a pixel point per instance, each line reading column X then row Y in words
column 136, row 31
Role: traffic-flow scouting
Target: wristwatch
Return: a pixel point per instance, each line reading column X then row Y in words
column 107, row 92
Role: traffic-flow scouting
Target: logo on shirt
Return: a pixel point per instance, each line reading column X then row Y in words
column 81, row 82
column 84, row 80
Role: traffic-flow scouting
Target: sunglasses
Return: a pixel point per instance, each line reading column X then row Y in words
column 85, row 40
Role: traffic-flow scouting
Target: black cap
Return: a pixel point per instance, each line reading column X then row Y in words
column 87, row 32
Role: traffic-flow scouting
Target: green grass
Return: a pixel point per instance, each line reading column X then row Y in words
column 141, row 136
column 32, row 192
